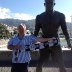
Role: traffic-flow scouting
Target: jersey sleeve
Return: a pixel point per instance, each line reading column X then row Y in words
column 32, row 38
column 10, row 41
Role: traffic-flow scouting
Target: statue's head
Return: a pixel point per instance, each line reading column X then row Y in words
column 49, row 4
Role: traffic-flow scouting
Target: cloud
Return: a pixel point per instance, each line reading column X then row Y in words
column 7, row 13
column 23, row 16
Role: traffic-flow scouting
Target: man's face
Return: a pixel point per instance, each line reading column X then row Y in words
column 49, row 5
column 21, row 30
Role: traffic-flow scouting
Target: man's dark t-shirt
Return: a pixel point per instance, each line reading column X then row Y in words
column 50, row 24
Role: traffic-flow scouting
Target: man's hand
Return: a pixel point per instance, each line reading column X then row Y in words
column 51, row 39
column 17, row 46
column 11, row 47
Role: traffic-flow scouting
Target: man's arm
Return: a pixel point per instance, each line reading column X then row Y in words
column 37, row 25
column 11, row 47
column 40, row 39
column 35, row 39
column 64, row 29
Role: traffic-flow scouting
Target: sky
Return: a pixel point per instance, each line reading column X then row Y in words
column 28, row 9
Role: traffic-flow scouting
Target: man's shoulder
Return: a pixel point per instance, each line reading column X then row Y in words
column 56, row 12
column 41, row 14
column 59, row 13
column 14, row 37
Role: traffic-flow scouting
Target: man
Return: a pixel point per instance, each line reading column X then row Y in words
column 49, row 22
column 20, row 46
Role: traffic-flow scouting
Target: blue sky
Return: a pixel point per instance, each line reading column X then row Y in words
column 28, row 9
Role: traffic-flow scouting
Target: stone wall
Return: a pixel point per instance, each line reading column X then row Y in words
column 7, row 55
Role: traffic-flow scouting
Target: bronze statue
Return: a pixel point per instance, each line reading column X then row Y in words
column 49, row 22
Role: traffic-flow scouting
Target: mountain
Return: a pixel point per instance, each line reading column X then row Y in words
column 29, row 23
column 15, row 22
